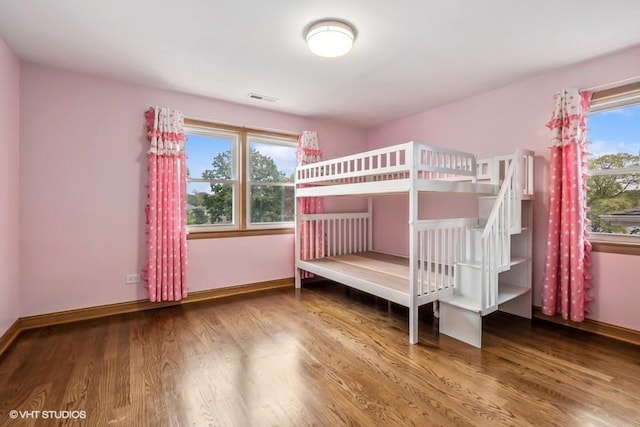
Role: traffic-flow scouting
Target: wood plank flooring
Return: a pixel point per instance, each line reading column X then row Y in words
column 322, row 357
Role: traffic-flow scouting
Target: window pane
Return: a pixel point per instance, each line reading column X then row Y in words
column 614, row 200
column 614, row 131
column 271, row 203
column 209, row 156
column 209, row 203
column 269, row 162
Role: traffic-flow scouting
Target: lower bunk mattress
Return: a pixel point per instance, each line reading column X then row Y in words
column 379, row 274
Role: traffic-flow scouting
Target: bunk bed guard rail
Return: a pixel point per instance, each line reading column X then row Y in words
column 442, row 244
column 343, row 233
column 394, row 162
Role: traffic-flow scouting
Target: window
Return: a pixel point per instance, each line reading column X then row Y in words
column 271, row 166
column 613, row 194
column 239, row 181
column 212, row 178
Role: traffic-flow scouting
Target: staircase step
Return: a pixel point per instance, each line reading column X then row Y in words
column 507, row 292
column 465, row 303
column 524, row 197
column 477, row 265
column 481, row 230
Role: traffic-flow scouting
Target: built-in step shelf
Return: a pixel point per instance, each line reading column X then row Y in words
column 471, row 263
column 515, row 260
column 506, row 293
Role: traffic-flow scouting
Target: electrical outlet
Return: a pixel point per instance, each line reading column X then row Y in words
column 132, row 279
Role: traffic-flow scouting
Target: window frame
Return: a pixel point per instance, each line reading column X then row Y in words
column 257, row 137
column 235, row 179
column 605, row 100
column 241, row 225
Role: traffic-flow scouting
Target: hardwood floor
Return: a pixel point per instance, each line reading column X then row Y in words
column 320, row 357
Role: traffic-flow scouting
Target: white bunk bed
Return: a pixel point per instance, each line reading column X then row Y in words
column 444, row 254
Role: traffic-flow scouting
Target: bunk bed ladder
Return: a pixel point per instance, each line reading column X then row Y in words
column 489, row 252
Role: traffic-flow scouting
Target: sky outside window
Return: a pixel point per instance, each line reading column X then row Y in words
column 614, row 131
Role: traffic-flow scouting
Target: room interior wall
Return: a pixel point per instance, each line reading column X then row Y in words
column 497, row 122
column 83, row 175
column 82, row 172
column 9, row 187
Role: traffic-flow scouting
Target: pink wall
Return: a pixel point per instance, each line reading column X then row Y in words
column 9, row 215
column 495, row 123
column 83, row 170
column 617, row 289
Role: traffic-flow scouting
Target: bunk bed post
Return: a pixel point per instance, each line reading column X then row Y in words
column 296, row 239
column 413, row 244
column 370, row 224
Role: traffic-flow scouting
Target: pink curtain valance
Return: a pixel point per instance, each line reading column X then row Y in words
column 165, row 130
column 568, row 122
column 308, row 148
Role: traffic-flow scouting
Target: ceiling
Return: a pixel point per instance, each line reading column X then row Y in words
column 409, row 55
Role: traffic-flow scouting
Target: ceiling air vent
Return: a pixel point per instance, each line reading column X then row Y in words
column 262, row 97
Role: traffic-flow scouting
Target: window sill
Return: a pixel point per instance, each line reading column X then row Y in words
column 195, row 235
column 615, row 247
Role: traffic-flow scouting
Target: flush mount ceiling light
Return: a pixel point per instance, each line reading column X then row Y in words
column 330, row 38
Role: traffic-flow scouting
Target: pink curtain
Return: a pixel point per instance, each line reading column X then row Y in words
column 311, row 235
column 567, row 276
column 165, row 271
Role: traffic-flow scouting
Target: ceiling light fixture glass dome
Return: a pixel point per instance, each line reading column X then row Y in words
column 330, row 38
